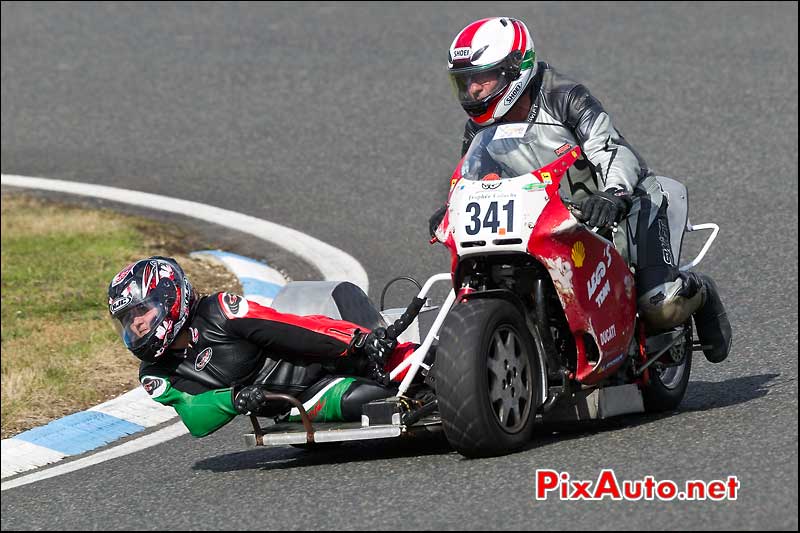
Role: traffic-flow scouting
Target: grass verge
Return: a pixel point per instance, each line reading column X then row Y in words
column 60, row 353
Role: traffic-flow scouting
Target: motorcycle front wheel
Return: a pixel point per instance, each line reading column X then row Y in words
column 486, row 369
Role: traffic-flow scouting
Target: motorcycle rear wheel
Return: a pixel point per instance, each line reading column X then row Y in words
column 486, row 378
column 667, row 385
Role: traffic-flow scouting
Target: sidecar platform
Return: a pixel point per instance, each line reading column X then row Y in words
column 282, row 434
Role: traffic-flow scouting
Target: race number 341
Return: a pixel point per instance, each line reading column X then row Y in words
column 491, row 218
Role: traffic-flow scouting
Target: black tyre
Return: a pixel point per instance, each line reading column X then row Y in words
column 667, row 384
column 486, row 378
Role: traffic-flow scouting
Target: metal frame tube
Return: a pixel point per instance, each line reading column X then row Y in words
column 706, row 246
column 415, row 361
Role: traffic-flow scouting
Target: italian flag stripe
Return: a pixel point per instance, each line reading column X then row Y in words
column 527, row 61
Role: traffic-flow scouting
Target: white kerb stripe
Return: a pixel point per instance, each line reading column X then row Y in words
column 19, row 456
column 137, row 407
column 334, row 264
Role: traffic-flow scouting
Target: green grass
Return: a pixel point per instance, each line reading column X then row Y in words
column 60, row 353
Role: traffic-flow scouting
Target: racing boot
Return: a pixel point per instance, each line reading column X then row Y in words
column 711, row 319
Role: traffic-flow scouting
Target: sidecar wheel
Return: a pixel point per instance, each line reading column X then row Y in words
column 667, row 385
column 486, row 378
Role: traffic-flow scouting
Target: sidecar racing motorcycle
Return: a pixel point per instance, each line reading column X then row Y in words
column 541, row 319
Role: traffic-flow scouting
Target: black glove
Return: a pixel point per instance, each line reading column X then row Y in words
column 249, row 400
column 603, row 209
column 376, row 346
column 436, row 219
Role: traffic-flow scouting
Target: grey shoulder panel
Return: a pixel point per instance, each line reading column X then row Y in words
column 615, row 161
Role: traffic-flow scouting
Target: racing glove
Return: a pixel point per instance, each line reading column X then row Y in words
column 603, row 209
column 436, row 219
column 249, row 400
column 376, row 347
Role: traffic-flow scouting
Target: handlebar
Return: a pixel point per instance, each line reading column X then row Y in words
column 401, row 324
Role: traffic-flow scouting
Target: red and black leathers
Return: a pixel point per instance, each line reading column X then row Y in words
column 233, row 342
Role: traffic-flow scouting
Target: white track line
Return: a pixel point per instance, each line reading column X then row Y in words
column 334, row 264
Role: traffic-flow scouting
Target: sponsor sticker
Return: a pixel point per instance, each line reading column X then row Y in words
column 596, row 280
column 233, row 305
column 578, row 254
column 613, row 362
column 608, row 334
column 563, row 149
column 534, row 187
column 154, row 386
column 510, row 131
column 202, row 359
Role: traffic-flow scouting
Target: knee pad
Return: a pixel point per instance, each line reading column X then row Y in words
column 669, row 304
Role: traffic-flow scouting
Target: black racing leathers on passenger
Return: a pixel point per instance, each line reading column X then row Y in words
column 232, row 340
column 234, row 343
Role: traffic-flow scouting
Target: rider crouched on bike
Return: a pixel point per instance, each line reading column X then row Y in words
column 496, row 77
column 208, row 356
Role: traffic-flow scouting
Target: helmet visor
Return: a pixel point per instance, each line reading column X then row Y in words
column 136, row 323
column 478, row 85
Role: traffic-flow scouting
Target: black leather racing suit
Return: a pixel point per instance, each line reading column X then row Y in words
column 236, row 342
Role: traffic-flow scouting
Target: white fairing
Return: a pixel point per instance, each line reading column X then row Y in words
column 495, row 216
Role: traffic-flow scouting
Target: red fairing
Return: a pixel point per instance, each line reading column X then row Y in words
column 450, row 242
column 593, row 282
column 400, row 354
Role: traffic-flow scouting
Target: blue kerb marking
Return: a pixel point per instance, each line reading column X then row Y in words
column 220, row 253
column 256, row 287
column 81, row 432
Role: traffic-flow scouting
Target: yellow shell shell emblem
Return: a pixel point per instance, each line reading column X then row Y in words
column 578, row 254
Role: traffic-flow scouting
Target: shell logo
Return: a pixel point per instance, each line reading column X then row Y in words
column 578, row 254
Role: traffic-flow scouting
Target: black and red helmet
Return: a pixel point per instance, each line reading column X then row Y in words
column 150, row 301
column 490, row 63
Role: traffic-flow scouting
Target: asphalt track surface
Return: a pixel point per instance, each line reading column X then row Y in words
column 337, row 120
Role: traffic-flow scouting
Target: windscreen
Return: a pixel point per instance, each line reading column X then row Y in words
column 505, row 151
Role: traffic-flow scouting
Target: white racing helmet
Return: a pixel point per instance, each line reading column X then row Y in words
column 491, row 62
